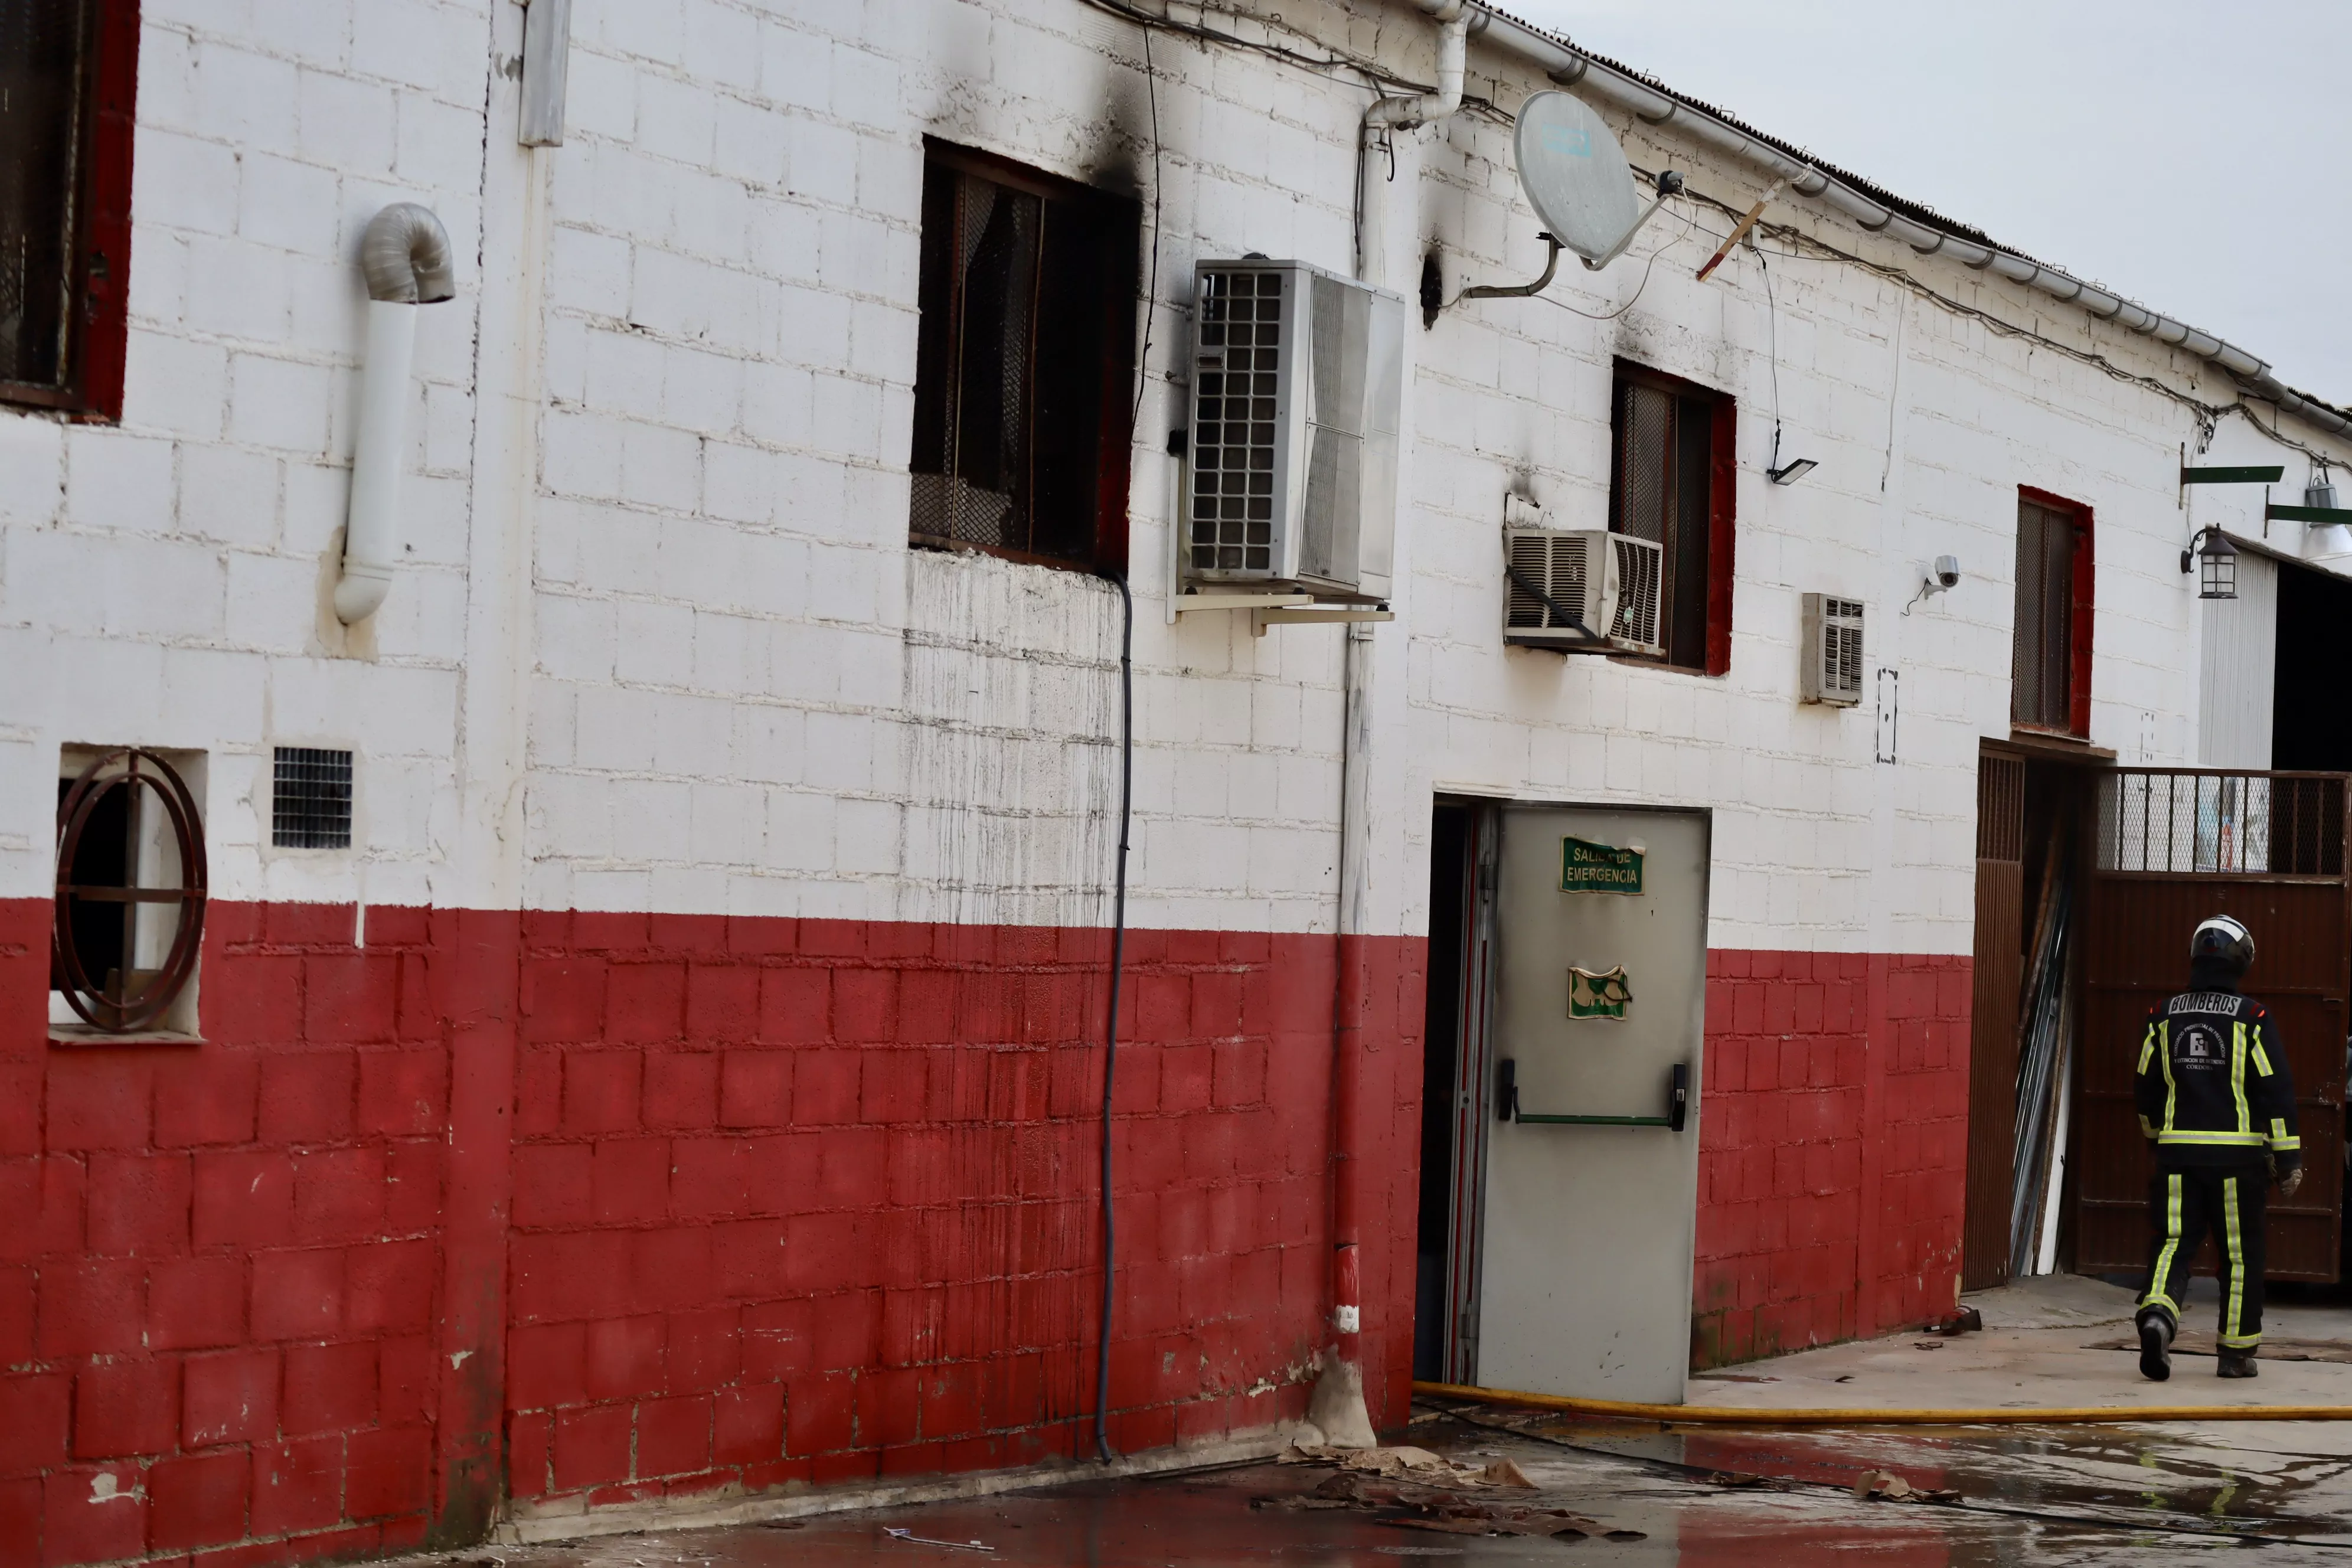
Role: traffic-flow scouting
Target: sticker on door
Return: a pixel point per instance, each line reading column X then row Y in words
column 1589, row 868
column 1605, row 995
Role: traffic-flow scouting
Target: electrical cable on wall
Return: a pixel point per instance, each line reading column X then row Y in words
column 1118, row 972
column 1126, row 790
column 1334, row 61
column 1690, row 224
column 1773, row 338
column 1151, row 286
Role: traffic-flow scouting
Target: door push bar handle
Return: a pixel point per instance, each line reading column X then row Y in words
column 1506, row 1102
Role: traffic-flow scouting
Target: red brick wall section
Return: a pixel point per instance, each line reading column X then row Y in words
column 813, row 1201
column 219, row 1281
column 714, row 1202
column 1832, row 1148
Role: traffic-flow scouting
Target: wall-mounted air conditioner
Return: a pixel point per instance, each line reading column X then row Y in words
column 1298, row 375
column 1582, row 590
column 1833, row 651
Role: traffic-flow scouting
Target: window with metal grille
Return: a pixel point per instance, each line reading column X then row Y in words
column 1671, row 483
column 311, row 807
column 2049, row 673
column 1025, row 361
column 68, row 74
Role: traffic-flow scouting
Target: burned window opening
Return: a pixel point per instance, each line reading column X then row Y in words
column 68, row 78
column 1024, row 363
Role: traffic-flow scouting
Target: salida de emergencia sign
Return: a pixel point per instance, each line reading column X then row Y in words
column 1589, row 868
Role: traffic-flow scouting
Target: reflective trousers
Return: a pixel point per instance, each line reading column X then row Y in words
column 2182, row 1206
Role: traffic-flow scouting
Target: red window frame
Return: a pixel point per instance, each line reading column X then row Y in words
column 92, row 389
column 2083, row 602
column 1722, row 505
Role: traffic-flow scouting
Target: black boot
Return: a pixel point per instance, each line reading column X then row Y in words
column 2237, row 1363
column 2156, row 1346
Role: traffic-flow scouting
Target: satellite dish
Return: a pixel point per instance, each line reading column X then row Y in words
column 1576, row 177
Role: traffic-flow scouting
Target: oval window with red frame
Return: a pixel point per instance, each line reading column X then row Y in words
column 130, row 892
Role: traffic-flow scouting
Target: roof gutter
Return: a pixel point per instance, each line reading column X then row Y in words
column 1570, row 67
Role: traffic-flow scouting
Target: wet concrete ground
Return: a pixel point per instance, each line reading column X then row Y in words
column 2089, row 1495
column 2040, row 1496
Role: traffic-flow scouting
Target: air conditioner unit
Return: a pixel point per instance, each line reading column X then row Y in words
column 1559, row 577
column 1298, row 375
column 1832, row 668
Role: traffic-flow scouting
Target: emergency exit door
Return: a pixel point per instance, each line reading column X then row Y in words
column 1592, row 1190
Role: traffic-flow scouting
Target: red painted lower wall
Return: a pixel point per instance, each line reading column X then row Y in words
column 1832, row 1148
column 585, row 1209
column 573, row 1209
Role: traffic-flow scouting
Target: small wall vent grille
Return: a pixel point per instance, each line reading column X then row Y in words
column 311, row 807
column 1832, row 666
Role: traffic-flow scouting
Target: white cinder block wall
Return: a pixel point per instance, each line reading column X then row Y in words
column 743, row 691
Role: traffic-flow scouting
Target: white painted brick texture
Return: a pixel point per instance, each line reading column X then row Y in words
column 747, row 694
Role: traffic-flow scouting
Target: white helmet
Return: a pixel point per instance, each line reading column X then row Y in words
column 2225, row 939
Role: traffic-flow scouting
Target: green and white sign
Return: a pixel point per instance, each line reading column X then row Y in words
column 1602, row 996
column 1589, row 868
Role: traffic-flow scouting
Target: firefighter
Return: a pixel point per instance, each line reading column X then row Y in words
column 2215, row 1097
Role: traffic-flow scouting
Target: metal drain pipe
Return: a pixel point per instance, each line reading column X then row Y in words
column 1337, row 1406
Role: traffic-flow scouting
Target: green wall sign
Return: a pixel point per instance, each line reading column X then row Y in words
column 1589, row 868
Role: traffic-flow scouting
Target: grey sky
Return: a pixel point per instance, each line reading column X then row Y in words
column 2191, row 156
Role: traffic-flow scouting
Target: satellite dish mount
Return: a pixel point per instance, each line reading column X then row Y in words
column 1575, row 176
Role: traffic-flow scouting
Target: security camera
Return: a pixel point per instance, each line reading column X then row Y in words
column 1941, row 578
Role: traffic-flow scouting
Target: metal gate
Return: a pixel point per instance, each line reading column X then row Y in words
column 1992, row 1029
column 2174, row 846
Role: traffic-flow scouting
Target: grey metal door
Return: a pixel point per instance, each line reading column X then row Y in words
column 1591, row 1193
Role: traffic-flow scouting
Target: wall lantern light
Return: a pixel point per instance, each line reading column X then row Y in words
column 2216, row 564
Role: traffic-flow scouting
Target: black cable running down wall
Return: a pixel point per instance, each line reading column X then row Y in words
column 1118, row 973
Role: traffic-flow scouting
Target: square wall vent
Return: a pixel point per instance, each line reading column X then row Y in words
column 1833, row 651
column 310, row 800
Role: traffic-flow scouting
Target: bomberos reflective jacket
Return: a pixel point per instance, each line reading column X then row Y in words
column 2212, row 1085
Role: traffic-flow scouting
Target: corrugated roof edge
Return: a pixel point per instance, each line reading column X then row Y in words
column 1881, row 211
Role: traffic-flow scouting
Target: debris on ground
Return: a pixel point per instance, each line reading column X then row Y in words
column 1966, row 1321
column 1415, row 1488
column 1402, row 1461
column 1885, row 1486
column 1504, row 1473
column 911, row 1539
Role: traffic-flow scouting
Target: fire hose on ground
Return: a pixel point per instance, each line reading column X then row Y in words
column 1736, row 1416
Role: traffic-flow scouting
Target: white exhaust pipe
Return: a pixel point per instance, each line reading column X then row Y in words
column 405, row 258
column 1387, row 115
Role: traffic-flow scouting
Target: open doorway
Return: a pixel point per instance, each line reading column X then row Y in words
column 2310, row 725
column 1453, row 1090
column 2034, row 816
column 2311, row 722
